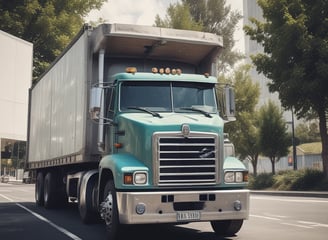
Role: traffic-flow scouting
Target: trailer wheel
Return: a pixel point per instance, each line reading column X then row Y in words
column 39, row 189
column 109, row 211
column 227, row 228
column 50, row 197
column 87, row 197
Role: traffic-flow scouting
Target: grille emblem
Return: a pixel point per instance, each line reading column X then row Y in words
column 185, row 130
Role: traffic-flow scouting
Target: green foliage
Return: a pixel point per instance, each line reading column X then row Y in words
column 307, row 179
column 295, row 58
column 308, row 132
column 273, row 137
column 49, row 25
column 209, row 16
column 178, row 17
column 301, row 180
column 244, row 131
column 261, row 181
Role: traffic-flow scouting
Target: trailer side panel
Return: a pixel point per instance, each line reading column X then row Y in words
column 58, row 108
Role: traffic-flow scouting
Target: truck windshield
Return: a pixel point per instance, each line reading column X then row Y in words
column 168, row 96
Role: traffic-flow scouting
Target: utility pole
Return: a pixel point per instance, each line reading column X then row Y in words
column 293, row 142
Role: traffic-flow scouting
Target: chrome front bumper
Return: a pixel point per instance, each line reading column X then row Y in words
column 169, row 206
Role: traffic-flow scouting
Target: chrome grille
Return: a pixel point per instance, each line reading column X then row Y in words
column 186, row 161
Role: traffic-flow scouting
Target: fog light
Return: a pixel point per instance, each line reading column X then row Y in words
column 237, row 205
column 140, row 208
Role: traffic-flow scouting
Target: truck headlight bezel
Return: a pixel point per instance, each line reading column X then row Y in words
column 140, row 178
column 237, row 176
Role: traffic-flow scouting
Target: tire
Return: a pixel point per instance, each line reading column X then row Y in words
column 50, row 197
column 39, row 189
column 227, row 228
column 109, row 211
column 87, row 211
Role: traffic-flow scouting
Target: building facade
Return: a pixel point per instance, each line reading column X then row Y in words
column 16, row 61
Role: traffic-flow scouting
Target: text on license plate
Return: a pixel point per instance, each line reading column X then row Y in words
column 188, row 216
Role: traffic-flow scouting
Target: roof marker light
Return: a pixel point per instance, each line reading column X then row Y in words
column 131, row 70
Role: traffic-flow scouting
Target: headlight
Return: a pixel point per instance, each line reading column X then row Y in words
column 235, row 176
column 239, row 177
column 229, row 177
column 140, row 178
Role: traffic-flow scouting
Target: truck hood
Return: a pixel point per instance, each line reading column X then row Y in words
column 136, row 130
column 170, row 122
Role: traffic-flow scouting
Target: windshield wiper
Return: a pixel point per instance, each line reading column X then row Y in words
column 197, row 110
column 155, row 114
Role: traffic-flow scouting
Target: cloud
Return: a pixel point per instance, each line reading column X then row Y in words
column 141, row 12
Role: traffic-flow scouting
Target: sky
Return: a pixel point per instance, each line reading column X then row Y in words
column 143, row 13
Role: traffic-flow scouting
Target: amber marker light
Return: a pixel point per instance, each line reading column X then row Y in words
column 245, row 176
column 128, row 178
column 118, row 145
column 131, row 70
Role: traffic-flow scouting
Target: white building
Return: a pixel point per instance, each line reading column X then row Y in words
column 16, row 61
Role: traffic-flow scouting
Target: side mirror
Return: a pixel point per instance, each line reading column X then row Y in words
column 230, row 109
column 95, row 103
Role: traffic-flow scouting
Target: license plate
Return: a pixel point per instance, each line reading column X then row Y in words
column 188, row 216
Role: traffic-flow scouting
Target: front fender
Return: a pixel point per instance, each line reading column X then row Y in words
column 119, row 164
column 232, row 163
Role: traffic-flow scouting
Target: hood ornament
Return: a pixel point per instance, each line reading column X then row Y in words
column 185, row 130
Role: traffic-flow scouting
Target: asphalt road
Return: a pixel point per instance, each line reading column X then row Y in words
column 271, row 217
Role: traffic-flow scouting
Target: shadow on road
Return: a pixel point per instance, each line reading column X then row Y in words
column 17, row 223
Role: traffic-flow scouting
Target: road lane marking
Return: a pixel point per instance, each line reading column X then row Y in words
column 290, row 200
column 9, row 199
column 274, row 215
column 296, row 225
column 302, row 224
column 265, row 217
column 314, row 224
column 62, row 230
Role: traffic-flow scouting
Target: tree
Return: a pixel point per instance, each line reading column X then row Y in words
column 295, row 58
column 273, row 137
column 308, row 132
column 178, row 17
column 209, row 16
column 49, row 25
column 244, row 131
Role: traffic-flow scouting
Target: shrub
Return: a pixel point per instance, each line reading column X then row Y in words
column 261, row 181
column 301, row 180
column 305, row 179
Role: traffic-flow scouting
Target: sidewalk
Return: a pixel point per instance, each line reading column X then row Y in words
column 291, row 193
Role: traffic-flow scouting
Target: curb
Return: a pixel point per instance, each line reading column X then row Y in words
column 291, row 193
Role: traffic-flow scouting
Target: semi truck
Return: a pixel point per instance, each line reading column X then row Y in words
column 128, row 122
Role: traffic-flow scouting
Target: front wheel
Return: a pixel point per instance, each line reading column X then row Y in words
column 227, row 228
column 109, row 211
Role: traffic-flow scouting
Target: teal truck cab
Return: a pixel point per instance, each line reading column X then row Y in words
column 147, row 123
